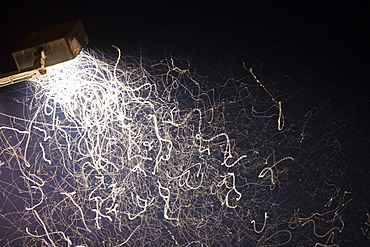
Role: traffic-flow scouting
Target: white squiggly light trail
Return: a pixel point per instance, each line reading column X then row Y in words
column 117, row 154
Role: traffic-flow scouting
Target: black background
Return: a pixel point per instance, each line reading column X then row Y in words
column 321, row 45
column 328, row 39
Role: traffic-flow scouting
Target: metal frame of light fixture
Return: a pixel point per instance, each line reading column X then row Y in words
column 44, row 48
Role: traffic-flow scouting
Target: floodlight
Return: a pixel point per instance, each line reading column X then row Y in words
column 45, row 48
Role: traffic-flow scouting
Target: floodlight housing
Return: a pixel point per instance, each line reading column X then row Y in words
column 45, row 48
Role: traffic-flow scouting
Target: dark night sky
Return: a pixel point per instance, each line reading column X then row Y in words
column 215, row 26
column 322, row 43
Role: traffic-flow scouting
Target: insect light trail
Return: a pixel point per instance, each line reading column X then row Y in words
column 141, row 153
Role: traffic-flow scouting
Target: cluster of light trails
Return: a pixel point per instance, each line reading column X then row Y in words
column 141, row 153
